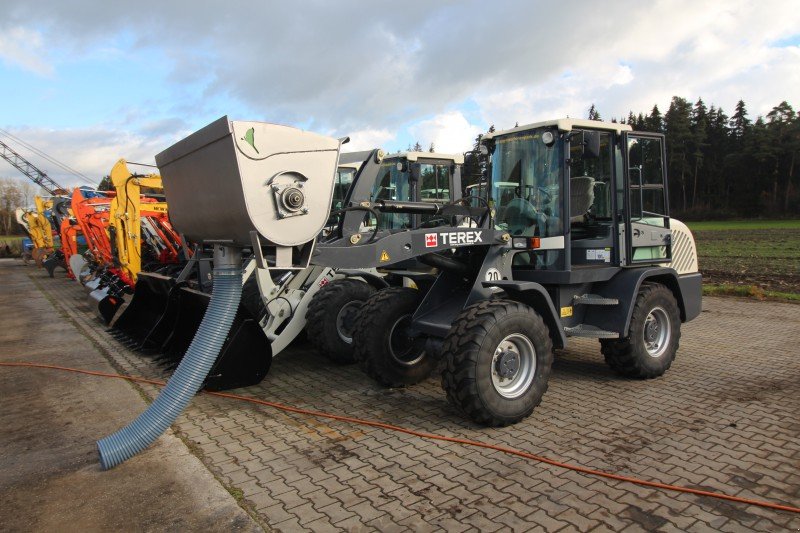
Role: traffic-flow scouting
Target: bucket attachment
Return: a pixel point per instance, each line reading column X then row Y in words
column 93, row 284
column 77, row 263
column 245, row 357
column 53, row 261
column 105, row 303
column 146, row 310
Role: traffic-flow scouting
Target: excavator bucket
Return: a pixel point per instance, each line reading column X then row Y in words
column 53, row 261
column 146, row 310
column 105, row 303
column 245, row 357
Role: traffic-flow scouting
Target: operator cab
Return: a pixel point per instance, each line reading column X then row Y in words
column 577, row 193
column 415, row 177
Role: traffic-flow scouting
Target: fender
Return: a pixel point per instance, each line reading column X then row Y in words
column 535, row 295
column 625, row 286
column 372, row 279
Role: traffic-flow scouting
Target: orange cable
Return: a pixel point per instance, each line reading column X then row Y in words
column 432, row 436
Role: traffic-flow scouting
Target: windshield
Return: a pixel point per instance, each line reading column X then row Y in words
column 344, row 178
column 392, row 184
column 526, row 177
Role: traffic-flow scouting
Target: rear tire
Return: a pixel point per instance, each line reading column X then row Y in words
column 498, row 356
column 653, row 337
column 382, row 348
column 332, row 315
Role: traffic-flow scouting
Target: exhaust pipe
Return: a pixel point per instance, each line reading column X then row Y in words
column 191, row 372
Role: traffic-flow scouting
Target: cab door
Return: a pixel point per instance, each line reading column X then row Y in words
column 646, row 219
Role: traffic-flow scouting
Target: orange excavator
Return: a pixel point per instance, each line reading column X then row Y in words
column 126, row 231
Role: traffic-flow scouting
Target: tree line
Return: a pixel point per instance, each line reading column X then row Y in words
column 13, row 194
column 719, row 166
column 723, row 166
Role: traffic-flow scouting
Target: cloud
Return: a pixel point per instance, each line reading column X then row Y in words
column 90, row 151
column 375, row 72
column 449, row 132
column 24, row 48
column 368, row 139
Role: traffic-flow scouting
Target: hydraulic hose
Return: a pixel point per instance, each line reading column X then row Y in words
column 191, row 372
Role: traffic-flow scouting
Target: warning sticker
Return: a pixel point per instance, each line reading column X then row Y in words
column 566, row 311
column 385, row 257
column 601, row 254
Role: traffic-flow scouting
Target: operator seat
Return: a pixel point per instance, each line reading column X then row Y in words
column 581, row 197
column 520, row 215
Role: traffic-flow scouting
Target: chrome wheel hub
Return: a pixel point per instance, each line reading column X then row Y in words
column 657, row 332
column 513, row 366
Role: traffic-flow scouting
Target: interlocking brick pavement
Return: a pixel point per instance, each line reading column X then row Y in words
column 725, row 417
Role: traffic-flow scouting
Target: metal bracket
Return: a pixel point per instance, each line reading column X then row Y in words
column 255, row 241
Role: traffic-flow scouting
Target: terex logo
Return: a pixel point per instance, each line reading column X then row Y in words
column 454, row 238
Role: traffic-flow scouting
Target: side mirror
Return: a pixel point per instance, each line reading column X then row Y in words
column 590, row 140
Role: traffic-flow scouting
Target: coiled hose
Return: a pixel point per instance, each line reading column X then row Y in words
column 192, row 370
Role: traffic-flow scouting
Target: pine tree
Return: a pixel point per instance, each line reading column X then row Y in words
column 677, row 126
column 431, row 148
column 593, row 113
column 699, row 129
column 739, row 121
column 716, row 157
column 654, row 122
column 784, row 135
column 417, row 147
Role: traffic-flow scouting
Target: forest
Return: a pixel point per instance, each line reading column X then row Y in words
column 722, row 166
column 719, row 166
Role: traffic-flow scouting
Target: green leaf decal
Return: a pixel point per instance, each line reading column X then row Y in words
column 249, row 138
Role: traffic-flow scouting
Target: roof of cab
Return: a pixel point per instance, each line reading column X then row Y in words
column 458, row 159
column 564, row 124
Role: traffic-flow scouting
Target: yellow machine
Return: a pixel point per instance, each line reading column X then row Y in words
column 129, row 214
column 41, row 222
column 38, row 227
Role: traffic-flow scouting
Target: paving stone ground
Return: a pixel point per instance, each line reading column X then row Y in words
column 726, row 417
column 50, row 478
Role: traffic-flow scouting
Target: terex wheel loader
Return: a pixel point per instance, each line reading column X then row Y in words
column 573, row 238
column 408, row 176
column 277, row 305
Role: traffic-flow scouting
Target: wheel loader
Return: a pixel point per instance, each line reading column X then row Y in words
column 582, row 247
column 165, row 312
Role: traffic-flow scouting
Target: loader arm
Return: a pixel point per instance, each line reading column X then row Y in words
column 130, row 209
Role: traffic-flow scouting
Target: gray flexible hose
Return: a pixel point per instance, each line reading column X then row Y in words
column 191, row 372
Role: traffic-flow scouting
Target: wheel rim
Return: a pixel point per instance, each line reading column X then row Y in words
column 402, row 347
column 345, row 321
column 657, row 332
column 513, row 365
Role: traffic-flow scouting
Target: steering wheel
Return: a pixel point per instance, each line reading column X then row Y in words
column 519, row 215
column 545, row 196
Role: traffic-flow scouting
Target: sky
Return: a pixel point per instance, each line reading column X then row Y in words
column 89, row 82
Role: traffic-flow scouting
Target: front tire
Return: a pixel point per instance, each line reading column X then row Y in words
column 332, row 315
column 653, row 336
column 498, row 356
column 383, row 348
